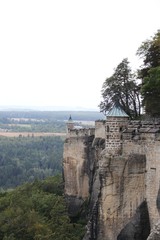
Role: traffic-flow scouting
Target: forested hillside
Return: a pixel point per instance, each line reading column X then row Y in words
column 38, row 211
column 24, row 159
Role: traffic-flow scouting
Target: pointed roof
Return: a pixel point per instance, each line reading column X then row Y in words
column 70, row 120
column 117, row 111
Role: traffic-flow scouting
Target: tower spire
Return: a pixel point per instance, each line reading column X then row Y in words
column 70, row 124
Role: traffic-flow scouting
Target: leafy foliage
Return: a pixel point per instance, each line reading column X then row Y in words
column 37, row 211
column 121, row 87
column 151, row 92
column 149, row 73
column 25, row 159
column 149, row 51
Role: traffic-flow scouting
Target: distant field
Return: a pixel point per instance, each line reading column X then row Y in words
column 29, row 134
column 87, row 123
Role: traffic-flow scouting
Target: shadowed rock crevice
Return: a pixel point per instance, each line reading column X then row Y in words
column 139, row 227
column 158, row 201
column 74, row 205
column 92, row 227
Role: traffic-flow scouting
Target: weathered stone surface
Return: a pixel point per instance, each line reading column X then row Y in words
column 122, row 191
column 77, row 170
column 155, row 232
column 139, row 227
column 120, row 179
column 95, row 191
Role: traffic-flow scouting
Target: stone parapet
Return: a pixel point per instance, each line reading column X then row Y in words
column 81, row 132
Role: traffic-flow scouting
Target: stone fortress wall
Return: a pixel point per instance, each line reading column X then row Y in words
column 119, row 178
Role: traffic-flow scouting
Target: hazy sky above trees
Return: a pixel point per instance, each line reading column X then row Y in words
column 59, row 53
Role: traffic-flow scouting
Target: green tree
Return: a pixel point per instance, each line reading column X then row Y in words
column 149, row 51
column 151, row 92
column 122, row 87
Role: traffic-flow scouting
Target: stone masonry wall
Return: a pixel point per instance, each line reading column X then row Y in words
column 100, row 129
column 78, row 133
column 113, row 130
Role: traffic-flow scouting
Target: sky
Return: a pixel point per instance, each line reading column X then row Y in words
column 59, row 53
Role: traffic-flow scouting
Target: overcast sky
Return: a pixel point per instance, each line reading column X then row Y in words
column 59, row 52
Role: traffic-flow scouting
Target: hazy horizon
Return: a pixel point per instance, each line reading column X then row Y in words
column 45, row 108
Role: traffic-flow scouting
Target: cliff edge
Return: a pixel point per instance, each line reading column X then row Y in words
column 115, row 169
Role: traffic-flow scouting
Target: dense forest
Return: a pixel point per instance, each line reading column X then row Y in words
column 24, row 159
column 38, row 211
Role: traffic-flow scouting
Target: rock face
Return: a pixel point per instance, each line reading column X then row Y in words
column 122, row 192
column 155, row 233
column 76, row 168
column 116, row 168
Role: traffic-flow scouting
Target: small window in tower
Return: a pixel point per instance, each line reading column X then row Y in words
column 107, row 128
column 121, row 129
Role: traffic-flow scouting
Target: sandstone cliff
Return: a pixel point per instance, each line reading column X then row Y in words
column 116, row 168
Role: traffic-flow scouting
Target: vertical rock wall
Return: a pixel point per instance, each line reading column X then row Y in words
column 151, row 149
column 76, row 169
column 122, row 189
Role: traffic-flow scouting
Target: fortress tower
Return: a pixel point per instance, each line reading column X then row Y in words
column 116, row 122
column 70, row 124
